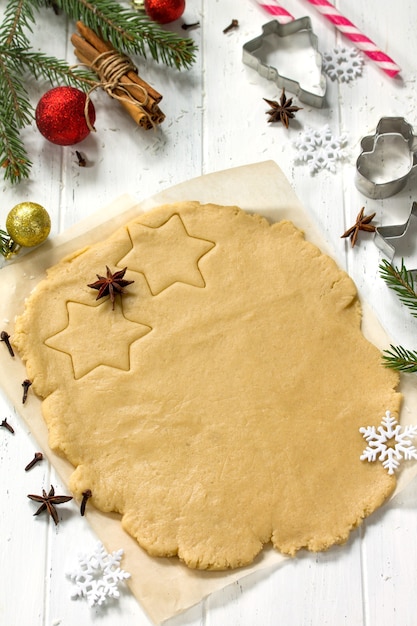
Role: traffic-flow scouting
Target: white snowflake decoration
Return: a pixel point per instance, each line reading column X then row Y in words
column 320, row 149
column 343, row 64
column 98, row 576
column 389, row 443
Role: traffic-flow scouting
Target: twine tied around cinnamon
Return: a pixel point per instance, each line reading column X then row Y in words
column 119, row 77
column 110, row 67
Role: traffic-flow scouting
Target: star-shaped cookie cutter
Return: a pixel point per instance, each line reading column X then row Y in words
column 386, row 236
column 387, row 158
column 274, row 29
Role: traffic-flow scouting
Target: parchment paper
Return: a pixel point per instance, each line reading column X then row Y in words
column 165, row 587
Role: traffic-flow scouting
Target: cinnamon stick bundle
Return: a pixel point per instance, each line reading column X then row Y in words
column 119, row 77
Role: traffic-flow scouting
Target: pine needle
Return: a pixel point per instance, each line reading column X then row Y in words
column 400, row 359
column 49, row 68
column 402, row 282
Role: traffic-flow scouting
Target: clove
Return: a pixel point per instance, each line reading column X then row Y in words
column 38, row 457
column 233, row 24
column 81, row 159
column 4, row 336
column 86, row 496
column 26, row 384
column 5, row 424
column 189, row 26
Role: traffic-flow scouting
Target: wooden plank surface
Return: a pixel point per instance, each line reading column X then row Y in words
column 215, row 119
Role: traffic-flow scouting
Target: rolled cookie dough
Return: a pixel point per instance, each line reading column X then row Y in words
column 217, row 407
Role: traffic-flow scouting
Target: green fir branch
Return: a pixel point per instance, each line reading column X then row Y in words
column 15, row 107
column 15, row 113
column 400, row 359
column 49, row 68
column 130, row 31
column 18, row 17
column 401, row 281
column 13, row 156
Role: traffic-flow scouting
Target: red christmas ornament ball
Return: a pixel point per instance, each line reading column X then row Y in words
column 164, row 11
column 60, row 116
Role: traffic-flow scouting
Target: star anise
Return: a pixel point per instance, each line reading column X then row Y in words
column 282, row 111
column 362, row 223
column 111, row 284
column 49, row 500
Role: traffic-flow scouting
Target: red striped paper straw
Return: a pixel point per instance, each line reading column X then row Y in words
column 361, row 41
column 276, row 9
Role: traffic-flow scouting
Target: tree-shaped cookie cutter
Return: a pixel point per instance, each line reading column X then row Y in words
column 387, row 158
column 278, row 32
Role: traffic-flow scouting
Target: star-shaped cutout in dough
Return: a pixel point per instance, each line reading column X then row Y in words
column 166, row 254
column 96, row 336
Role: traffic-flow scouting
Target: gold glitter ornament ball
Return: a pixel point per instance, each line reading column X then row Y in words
column 28, row 224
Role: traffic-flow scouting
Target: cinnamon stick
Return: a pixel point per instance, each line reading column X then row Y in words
column 144, row 108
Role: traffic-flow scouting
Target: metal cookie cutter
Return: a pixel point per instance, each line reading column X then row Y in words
column 387, row 158
column 273, row 34
column 386, row 237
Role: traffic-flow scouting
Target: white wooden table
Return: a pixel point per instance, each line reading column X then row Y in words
column 216, row 120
